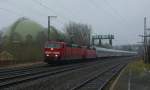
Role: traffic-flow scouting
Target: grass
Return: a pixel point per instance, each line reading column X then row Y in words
column 138, row 66
column 139, row 78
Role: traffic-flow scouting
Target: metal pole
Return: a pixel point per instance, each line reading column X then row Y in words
column 145, row 42
column 49, row 26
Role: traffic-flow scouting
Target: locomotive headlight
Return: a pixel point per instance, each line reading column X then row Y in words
column 56, row 55
column 47, row 55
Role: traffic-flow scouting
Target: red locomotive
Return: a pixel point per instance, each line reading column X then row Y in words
column 61, row 51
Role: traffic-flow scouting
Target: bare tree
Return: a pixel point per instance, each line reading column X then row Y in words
column 148, row 51
column 78, row 33
column 41, row 38
column 1, row 33
column 1, row 40
column 14, row 26
column 55, row 34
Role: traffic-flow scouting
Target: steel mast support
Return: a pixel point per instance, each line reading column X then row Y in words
column 49, row 26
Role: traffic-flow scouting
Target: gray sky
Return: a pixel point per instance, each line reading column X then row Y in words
column 123, row 18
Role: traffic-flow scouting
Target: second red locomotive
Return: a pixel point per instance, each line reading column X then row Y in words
column 61, row 51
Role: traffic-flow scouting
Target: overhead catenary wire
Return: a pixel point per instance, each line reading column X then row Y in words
column 97, row 6
column 18, row 14
column 115, row 11
column 37, row 14
column 50, row 10
column 11, row 11
column 66, row 18
column 73, row 14
column 31, row 9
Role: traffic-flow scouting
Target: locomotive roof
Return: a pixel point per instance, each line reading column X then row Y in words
column 56, row 42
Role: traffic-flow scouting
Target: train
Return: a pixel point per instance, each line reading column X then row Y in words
column 55, row 52
column 104, row 52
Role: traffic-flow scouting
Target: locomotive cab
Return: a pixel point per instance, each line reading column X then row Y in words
column 53, row 50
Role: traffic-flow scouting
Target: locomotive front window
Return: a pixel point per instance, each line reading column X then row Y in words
column 53, row 45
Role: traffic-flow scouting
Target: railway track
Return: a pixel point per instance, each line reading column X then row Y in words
column 98, row 81
column 26, row 76
column 24, row 68
column 8, row 79
column 12, row 77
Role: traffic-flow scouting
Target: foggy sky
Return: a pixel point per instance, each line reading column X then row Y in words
column 123, row 18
